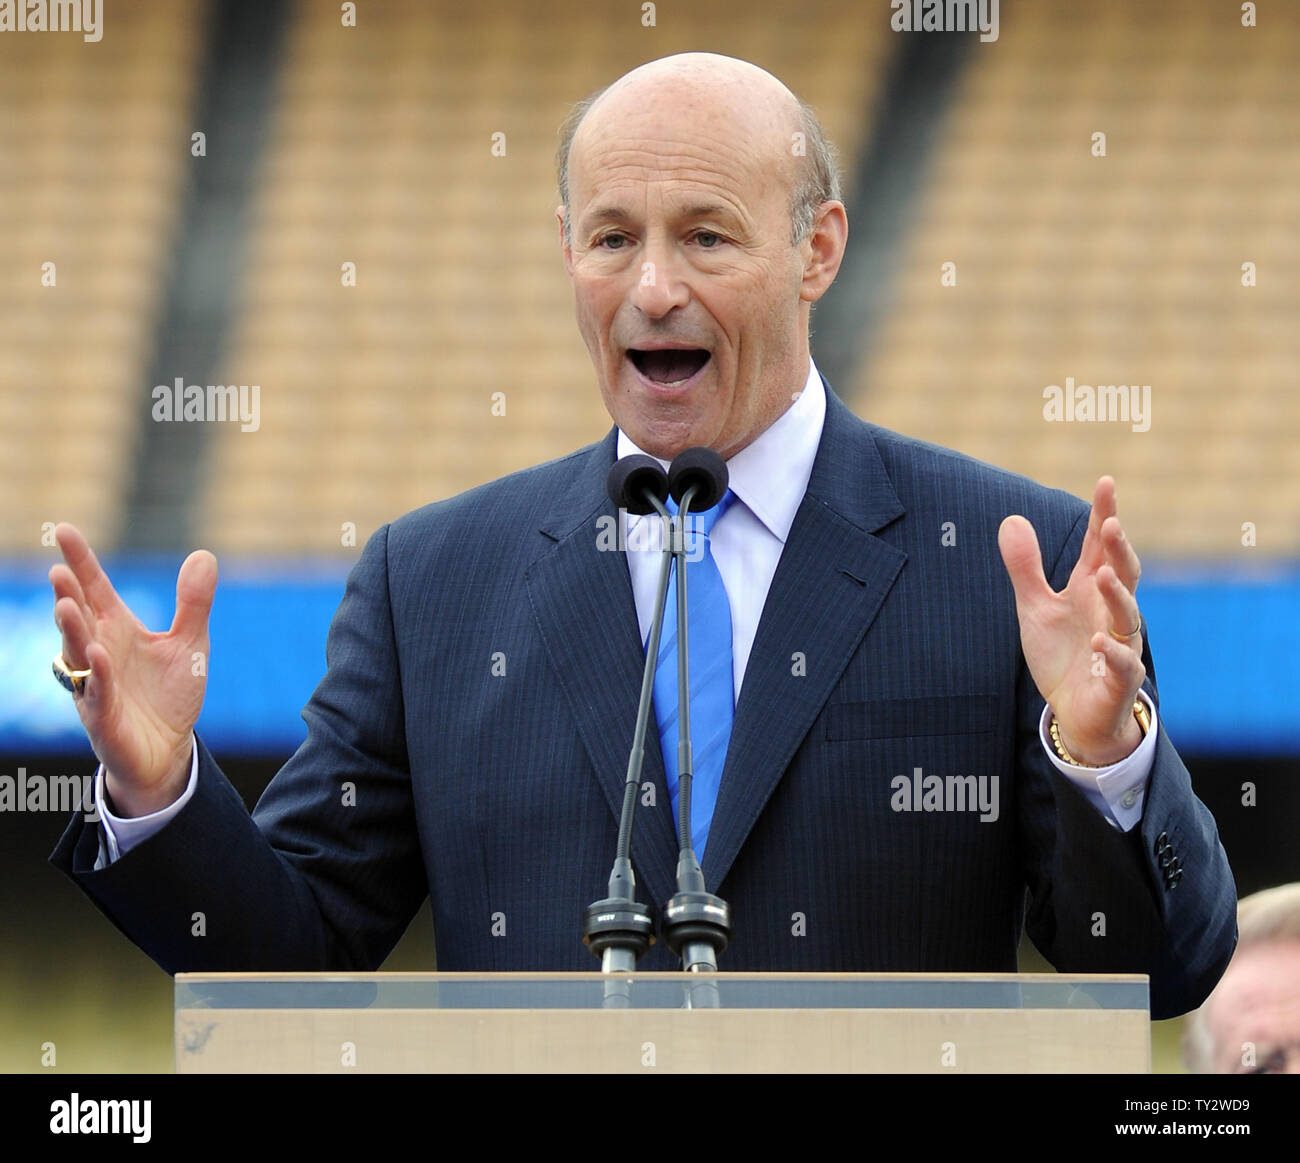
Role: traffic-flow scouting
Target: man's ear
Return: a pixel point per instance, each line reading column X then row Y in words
column 825, row 249
column 565, row 249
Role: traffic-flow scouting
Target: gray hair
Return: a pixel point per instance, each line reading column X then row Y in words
column 819, row 182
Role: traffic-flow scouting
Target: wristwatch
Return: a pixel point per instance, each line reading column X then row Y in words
column 1140, row 713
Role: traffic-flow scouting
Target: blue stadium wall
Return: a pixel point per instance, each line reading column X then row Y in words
column 1227, row 649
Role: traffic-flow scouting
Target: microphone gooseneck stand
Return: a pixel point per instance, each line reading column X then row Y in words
column 696, row 924
column 619, row 929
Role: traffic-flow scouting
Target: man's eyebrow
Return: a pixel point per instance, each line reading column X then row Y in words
column 604, row 214
column 709, row 210
column 714, row 210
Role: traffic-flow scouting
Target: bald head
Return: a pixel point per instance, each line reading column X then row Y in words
column 746, row 103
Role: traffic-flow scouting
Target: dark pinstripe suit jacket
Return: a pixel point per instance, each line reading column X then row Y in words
column 483, row 675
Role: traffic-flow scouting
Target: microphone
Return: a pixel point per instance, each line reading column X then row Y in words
column 619, row 929
column 700, row 469
column 696, row 925
column 636, row 482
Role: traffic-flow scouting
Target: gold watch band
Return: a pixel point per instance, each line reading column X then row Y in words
column 1140, row 713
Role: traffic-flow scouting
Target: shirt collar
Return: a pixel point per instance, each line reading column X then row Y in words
column 770, row 475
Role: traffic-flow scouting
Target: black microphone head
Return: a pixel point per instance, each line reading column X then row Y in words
column 630, row 478
column 703, row 468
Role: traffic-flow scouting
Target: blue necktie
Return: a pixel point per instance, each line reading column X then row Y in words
column 712, row 685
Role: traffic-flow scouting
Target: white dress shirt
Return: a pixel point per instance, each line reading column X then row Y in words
column 769, row 478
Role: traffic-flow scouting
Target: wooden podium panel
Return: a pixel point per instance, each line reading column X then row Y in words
column 473, row 1034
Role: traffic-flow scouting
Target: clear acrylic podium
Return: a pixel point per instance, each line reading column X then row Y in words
column 669, row 1022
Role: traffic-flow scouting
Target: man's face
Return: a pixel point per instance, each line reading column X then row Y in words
column 1254, row 1014
column 689, row 293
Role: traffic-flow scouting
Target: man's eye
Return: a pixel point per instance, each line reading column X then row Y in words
column 1275, row 1063
column 607, row 241
column 707, row 239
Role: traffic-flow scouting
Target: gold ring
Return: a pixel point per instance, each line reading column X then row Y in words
column 1124, row 637
column 72, row 681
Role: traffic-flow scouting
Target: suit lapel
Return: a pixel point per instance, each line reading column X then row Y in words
column 830, row 583
column 582, row 602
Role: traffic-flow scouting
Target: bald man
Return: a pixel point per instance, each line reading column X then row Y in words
column 904, row 734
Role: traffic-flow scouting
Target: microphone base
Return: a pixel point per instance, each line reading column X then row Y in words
column 696, row 926
column 618, row 931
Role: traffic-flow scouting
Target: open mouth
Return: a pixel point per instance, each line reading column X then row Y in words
column 669, row 367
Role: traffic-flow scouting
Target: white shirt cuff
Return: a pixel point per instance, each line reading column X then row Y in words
column 121, row 834
column 1118, row 791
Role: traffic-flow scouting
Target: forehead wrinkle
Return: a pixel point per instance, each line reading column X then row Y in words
column 698, row 174
column 667, row 155
column 697, row 185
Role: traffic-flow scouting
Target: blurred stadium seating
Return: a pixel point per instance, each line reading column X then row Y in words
column 1122, row 269
column 380, row 397
column 93, row 162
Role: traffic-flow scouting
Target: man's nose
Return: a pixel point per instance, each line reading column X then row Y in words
column 659, row 286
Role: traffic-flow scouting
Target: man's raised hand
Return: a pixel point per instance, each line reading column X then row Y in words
column 1096, row 613
column 144, row 692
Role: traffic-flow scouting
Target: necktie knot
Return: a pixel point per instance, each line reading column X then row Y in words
column 704, row 521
